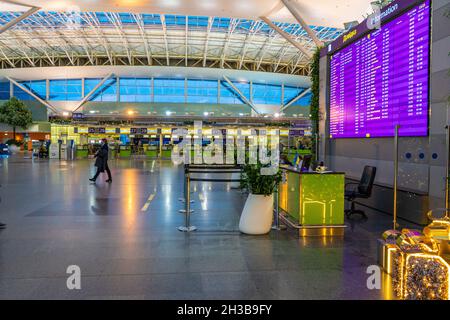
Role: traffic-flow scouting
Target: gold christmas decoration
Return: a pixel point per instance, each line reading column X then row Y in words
column 417, row 262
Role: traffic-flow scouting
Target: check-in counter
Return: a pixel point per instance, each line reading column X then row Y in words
column 151, row 151
column 82, row 151
column 125, row 151
column 166, row 151
column 312, row 202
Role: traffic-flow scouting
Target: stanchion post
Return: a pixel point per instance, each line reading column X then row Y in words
column 277, row 225
column 276, row 211
column 184, row 185
column 395, row 174
column 188, row 202
column 187, row 218
column 447, row 178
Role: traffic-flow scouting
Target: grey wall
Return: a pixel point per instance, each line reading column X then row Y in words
column 423, row 176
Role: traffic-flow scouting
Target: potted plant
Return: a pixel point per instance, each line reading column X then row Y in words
column 257, row 214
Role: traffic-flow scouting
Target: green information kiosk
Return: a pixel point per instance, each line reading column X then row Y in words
column 313, row 202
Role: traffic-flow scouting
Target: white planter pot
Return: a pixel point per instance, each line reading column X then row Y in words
column 14, row 149
column 257, row 215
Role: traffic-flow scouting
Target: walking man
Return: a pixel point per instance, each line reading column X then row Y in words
column 101, row 161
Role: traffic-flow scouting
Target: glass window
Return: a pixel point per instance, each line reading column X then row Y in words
column 65, row 90
column 221, row 23
column 175, row 20
column 202, row 91
column 4, row 90
column 107, row 92
column 195, row 21
column 169, row 90
column 151, row 19
column 38, row 87
column 135, row 89
column 229, row 96
column 266, row 94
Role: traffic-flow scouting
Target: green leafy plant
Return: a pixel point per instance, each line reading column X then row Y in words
column 315, row 93
column 11, row 142
column 15, row 114
column 259, row 184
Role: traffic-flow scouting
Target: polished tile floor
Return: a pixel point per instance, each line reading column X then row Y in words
column 129, row 250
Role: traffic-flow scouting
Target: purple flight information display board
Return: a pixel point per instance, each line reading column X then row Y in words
column 382, row 80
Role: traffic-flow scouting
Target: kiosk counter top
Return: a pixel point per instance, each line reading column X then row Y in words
column 312, row 198
column 293, row 169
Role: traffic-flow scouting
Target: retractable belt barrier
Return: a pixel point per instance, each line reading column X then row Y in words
column 202, row 169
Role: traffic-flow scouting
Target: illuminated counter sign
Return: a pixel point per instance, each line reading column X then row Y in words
column 78, row 116
column 80, row 130
column 138, row 131
column 296, row 133
column 112, row 130
column 96, row 130
column 382, row 79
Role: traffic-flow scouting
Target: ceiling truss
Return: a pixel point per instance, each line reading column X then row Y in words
column 85, row 40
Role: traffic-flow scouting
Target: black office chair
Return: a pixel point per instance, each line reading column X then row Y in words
column 362, row 191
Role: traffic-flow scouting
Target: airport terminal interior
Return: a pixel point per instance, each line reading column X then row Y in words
column 245, row 150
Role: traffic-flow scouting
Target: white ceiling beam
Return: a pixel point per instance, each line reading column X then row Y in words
column 208, row 31
column 94, row 24
column 166, row 44
column 283, row 52
column 231, row 28
column 86, row 97
column 287, row 37
column 31, row 93
column 86, row 45
column 115, row 19
column 186, row 42
column 263, row 50
column 140, row 23
column 243, row 97
column 256, row 26
column 6, row 57
column 293, row 9
column 290, row 103
column 25, row 15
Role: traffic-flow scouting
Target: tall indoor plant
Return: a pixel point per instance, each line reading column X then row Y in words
column 257, row 214
column 15, row 114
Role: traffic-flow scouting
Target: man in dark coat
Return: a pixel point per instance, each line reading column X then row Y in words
column 101, row 161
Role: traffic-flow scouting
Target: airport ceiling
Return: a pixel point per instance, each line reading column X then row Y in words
column 197, row 33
